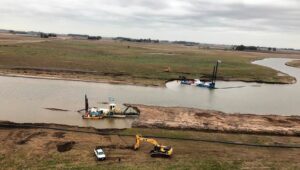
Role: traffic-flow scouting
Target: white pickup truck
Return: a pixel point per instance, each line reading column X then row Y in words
column 99, row 154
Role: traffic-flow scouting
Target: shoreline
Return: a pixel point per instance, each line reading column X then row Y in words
column 182, row 118
column 66, row 77
column 215, row 121
column 293, row 63
column 111, row 80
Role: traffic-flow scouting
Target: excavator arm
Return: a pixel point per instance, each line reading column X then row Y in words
column 139, row 138
column 159, row 150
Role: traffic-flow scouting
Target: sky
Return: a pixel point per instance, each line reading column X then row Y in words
column 271, row 23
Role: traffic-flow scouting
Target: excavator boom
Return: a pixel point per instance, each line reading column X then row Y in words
column 159, row 150
column 139, row 138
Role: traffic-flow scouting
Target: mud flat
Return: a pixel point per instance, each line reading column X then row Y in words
column 294, row 63
column 208, row 120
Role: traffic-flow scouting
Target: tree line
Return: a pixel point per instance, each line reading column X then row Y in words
column 252, row 48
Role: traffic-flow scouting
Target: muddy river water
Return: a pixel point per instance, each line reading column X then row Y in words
column 24, row 99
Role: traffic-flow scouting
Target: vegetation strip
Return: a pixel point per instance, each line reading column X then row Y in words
column 7, row 125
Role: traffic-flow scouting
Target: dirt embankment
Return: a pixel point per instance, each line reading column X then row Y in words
column 294, row 63
column 56, row 149
column 79, row 75
column 53, row 126
column 115, row 78
column 198, row 119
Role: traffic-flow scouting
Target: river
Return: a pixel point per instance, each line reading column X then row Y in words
column 24, row 99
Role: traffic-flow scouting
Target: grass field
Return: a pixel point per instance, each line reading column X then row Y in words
column 137, row 63
column 40, row 151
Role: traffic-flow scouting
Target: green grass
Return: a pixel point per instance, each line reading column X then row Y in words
column 55, row 161
column 140, row 61
column 182, row 165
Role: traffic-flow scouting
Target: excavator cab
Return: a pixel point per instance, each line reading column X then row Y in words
column 161, row 151
column 158, row 150
column 112, row 107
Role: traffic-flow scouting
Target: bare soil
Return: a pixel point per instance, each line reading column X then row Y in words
column 198, row 119
column 294, row 63
column 65, row 146
column 8, row 39
column 87, row 77
column 40, row 151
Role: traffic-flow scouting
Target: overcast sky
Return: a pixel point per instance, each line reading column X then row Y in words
column 273, row 23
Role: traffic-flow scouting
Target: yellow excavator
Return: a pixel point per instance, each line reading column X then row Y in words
column 158, row 150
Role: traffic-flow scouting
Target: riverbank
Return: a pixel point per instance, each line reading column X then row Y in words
column 294, row 63
column 133, row 63
column 88, row 77
column 181, row 118
column 41, row 147
column 216, row 121
column 79, row 77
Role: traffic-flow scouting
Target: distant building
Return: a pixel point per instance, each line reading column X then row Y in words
column 4, row 31
column 17, row 32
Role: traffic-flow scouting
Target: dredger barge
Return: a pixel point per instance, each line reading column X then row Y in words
column 111, row 112
column 197, row 82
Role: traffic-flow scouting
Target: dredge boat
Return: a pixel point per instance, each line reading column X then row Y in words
column 199, row 83
column 111, row 112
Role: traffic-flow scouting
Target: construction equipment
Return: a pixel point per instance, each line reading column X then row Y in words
column 199, row 83
column 158, row 150
column 214, row 75
column 111, row 112
column 98, row 113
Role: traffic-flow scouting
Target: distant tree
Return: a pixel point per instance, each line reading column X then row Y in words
column 52, row 35
column 252, row 48
column 43, row 35
column 243, row 48
column 94, row 37
column 240, row 48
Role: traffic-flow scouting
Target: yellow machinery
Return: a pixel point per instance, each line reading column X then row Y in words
column 158, row 150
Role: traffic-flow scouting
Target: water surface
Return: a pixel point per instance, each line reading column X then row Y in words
column 24, row 99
